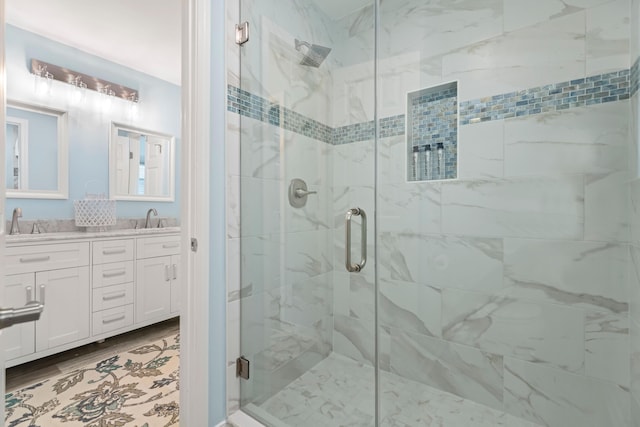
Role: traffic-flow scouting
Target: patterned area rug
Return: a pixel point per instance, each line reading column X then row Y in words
column 138, row 388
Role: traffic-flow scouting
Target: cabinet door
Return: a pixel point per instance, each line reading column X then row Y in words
column 153, row 288
column 176, row 284
column 67, row 307
column 19, row 340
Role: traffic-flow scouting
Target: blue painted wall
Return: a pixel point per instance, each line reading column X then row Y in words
column 89, row 126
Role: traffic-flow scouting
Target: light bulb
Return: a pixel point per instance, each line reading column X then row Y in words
column 43, row 83
column 107, row 99
column 77, row 91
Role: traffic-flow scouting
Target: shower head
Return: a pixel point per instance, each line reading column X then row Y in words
column 314, row 54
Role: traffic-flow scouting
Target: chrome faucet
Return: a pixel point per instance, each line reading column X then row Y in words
column 147, row 223
column 15, row 229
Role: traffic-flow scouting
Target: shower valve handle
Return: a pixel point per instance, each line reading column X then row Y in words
column 304, row 193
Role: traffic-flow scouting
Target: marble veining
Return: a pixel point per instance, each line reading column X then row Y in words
column 340, row 391
column 557, row 398
column 607, row 347
column 80, row 234
column 461, row 370
column 523, row 329
column 579, row 274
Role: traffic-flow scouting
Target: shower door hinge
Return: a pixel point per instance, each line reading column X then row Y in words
column 242, row 33
column 242, row 368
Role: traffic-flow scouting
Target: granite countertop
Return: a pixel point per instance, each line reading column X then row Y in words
column 75, row 235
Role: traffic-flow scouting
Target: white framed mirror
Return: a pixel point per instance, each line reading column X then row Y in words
column 141, row 164
column 36, row 152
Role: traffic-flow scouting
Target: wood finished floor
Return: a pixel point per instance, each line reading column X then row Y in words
column 32, row 372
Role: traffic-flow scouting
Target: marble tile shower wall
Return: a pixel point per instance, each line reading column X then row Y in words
column 279, row 261
column 507, row 286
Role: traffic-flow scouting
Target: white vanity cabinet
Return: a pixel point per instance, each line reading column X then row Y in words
column 158, row 278
column 57, row 275
column 19, row 339
column 113, row 285
column 94, row 285
column 65, row 318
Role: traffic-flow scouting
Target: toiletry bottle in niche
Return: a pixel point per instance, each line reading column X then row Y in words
column 415, row 170
column 426, row 163
column 440, row 150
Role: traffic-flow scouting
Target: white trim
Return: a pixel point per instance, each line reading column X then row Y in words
column 113, row 136
column 23, row 135
column 194, row 326
column 62, row 193
column 3, row 185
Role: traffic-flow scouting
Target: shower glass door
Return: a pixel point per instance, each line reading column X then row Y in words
column 306, row 105
column 502, row 198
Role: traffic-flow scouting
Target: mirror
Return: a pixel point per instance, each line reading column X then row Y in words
column 141, row 164
column 36, row 152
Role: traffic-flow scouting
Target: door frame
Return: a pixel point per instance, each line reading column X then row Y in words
column 3, row 186
column 203, row 304
column 194, row 322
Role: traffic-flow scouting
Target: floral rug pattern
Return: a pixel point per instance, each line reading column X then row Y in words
column 139, row 388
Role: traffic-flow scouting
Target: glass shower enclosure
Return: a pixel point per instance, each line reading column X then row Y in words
column 437, row 212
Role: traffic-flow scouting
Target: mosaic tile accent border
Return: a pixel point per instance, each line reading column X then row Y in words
column 597, row 89
column 249, row 105
column 355, row 133
column 634, row 77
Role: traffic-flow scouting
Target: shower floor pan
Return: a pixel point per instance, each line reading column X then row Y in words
column 331, row 394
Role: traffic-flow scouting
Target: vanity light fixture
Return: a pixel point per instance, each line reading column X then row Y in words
column 42, row 79
column 80, row 81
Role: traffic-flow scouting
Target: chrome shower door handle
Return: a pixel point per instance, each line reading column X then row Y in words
column 363, row 247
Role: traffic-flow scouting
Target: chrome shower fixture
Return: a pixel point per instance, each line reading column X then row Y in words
column 314, row 54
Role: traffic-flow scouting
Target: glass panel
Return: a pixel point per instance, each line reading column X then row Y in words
column 307, row 111
column 503, row 294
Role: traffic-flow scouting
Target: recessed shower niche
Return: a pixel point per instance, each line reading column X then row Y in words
column 432, row 133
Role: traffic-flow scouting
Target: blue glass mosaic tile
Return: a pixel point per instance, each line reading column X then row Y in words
column 634, row 77
column 432, row 130
column 598, row 89
column 354, row 133
column 249, row 105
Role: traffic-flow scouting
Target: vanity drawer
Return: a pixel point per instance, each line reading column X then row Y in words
column 112, row 296
column 29, row 259
column 149, row 247
column 112, row 319
column 112, row 274
column 112, row 251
